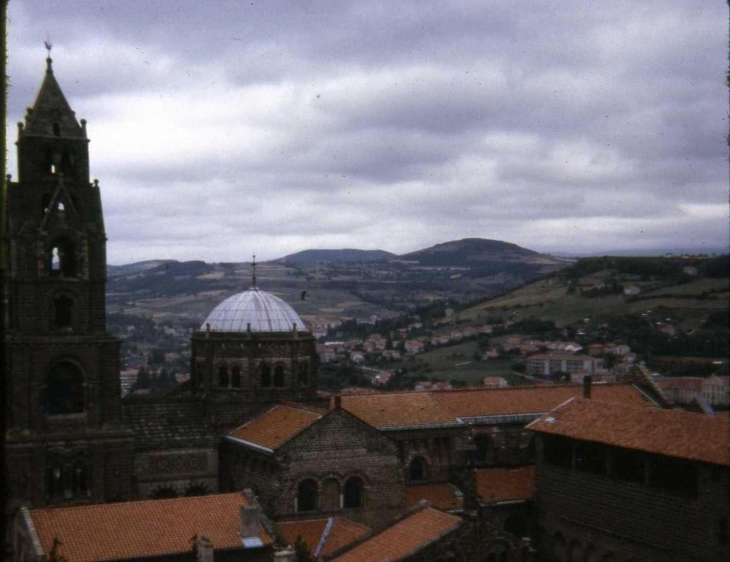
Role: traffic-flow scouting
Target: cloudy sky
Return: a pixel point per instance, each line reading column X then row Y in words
column 222, row 128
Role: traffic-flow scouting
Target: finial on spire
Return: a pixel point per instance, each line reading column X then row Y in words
column 49, row 46
column 253, row 265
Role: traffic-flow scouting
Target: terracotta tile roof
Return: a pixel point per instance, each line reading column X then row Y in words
column 409, row 409
column 341, row 533
column 142, row 528
column 673, row 433
column 502, row 484
column 404, row 537
column 442, row 495
column 276, row 426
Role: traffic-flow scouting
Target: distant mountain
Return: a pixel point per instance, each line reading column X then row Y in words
column 471, row 252
column 346, row 255
column 137, row 267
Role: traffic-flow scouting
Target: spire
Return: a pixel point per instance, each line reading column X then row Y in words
column 51, row 114
column 49, row 60
column 253, row 265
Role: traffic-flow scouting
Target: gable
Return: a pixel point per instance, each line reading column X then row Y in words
column 341, row 431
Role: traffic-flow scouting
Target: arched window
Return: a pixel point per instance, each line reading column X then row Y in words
column 62, row 307
column 62, row 258
column 307, row 495
column 236, row 376
column 303, row 374
column 223, row 376
column 484, row 451
column 279, row 375
column 417, row 469
column 331, row 495
column 265, row 375
column 353, row 492
column 65, row 392
column 56, row 129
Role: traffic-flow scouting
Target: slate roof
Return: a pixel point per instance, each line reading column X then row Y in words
column 140, row 529
column 275, row 427
column 673, row 433
column 166, row 425
column 254, row 309
column 441, row 495
column 397, row 410
column 495, row 485
column 405, row 537
column 341, row 532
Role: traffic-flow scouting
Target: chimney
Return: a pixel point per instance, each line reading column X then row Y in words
column 338, row 402
column 587, row 380
column 203, row 550
column 249, row 525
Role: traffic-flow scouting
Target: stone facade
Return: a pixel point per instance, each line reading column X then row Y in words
column 66, row 439
column 240, row 373
column 337, row 466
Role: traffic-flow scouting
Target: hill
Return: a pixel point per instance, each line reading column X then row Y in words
column 473, row 252
column 686, row 290
column 345, row 255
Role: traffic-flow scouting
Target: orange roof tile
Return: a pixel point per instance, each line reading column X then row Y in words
column 404, row 537
column 673, row 433
column 442, row 495
column 342, row 533
column 408, row 409
column 142, row 528
column 501, row 484
column 275, row 427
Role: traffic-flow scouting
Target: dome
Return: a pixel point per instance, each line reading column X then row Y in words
column 262, row 310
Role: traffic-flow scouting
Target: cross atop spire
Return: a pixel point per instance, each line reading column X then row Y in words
column 253, row 265
column 48, row 46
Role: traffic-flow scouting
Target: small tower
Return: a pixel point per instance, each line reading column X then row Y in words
column 63, row 408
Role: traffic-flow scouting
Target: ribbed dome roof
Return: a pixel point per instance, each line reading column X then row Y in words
column 262, row 310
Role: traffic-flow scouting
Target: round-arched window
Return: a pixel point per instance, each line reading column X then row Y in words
column 353, row 492
column 65, row 392
column 307, row 495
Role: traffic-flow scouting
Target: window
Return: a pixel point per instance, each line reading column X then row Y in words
column 307, row 495
column 417, row 469
column 558, row 451
column 484, row 451
column 65, row 392
column 56, row 129
column 673, row 475
column 353, row 492
column 223, row 376
column 67, row 479
column 62, row 307
column 265, row 375
column 627, row 465
column 163, row 493
column 331, row 494
column 62, row 258
column 236, row 376
column 279, row 375
column 590, row 457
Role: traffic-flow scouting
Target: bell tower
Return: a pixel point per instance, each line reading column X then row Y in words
column 66, row 440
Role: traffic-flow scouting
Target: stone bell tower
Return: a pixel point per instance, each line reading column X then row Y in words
column 66, row 442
